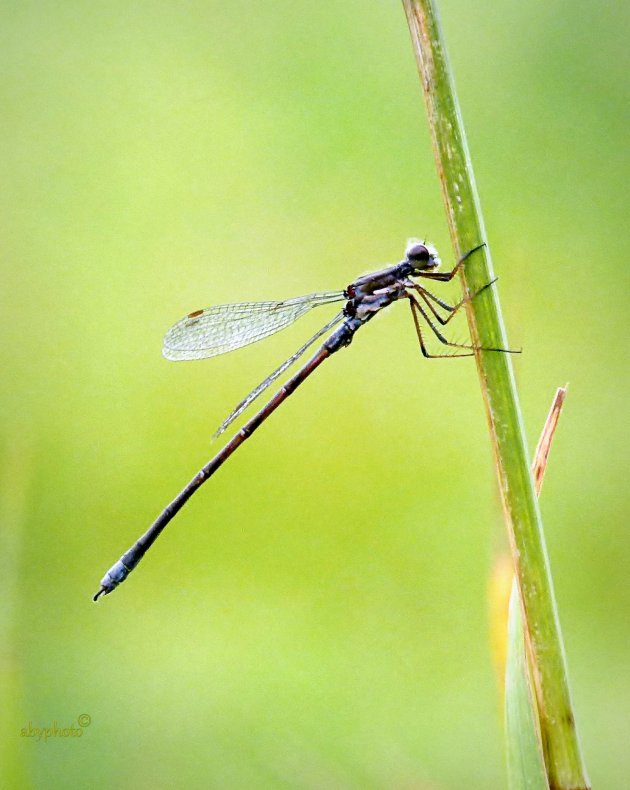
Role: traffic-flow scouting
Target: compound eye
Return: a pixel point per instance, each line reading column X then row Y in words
column 416, row 251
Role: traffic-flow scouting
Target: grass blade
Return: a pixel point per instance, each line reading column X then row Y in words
column 525, row 758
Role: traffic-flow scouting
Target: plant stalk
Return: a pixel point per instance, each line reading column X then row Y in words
column 522, row 515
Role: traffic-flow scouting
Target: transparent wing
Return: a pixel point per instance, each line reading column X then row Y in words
column 240, row 408
column 225, row 327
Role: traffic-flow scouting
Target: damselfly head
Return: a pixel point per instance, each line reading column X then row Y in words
column 422, row 256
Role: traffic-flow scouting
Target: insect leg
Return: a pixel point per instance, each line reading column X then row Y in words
column 414, row 312
column 452, row 309
column 446, row 277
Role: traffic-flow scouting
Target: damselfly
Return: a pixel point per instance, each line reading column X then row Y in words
column 223, row 328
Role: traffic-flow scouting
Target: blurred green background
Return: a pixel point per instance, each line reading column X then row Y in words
column 317, row 617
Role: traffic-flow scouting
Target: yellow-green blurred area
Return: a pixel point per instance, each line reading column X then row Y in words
column 317, row 616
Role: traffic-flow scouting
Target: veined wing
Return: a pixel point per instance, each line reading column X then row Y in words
column 240, row 408
column 217, row 330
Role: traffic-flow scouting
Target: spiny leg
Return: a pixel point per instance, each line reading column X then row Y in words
column 413, row 304
column 420, row 288
column 452, row 309
column 427, row 295
column 417, row 306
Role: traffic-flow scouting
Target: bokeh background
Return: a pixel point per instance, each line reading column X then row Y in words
column 317, row 617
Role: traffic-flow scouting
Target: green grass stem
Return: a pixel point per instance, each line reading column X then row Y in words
column 522, row 515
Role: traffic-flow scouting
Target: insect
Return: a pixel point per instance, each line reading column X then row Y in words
column 224, row 328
